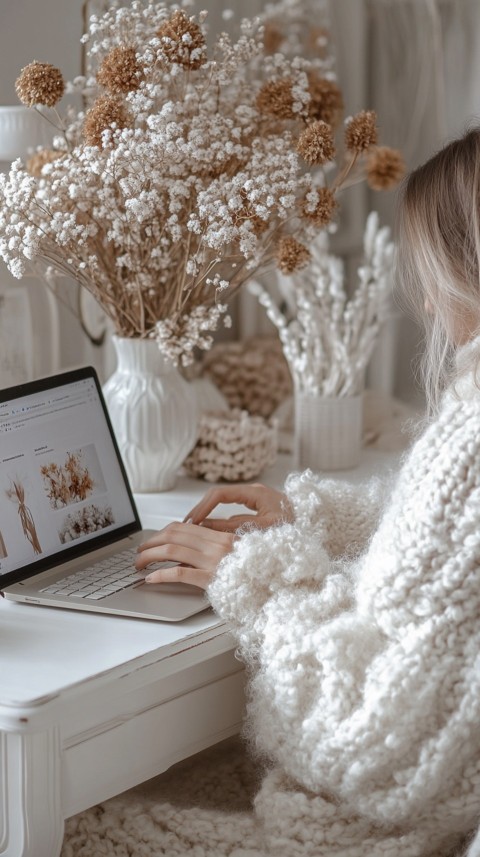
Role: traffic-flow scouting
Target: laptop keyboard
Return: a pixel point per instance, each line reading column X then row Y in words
column 104, row 578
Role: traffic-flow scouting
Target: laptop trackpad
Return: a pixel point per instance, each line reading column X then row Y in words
column 168, row 601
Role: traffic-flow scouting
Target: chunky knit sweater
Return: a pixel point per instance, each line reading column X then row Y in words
column 360, row 627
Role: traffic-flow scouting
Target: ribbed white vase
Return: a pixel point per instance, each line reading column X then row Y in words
column 328, row 431
column 153, row 413
column 21, row 130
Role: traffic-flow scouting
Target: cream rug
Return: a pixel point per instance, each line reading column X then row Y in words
column 200, row 808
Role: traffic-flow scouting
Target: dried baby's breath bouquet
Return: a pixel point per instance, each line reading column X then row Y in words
column 188, row 171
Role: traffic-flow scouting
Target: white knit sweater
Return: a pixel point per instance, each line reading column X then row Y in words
column 361, row 632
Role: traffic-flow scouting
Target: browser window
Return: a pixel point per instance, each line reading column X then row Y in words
column 60, row 480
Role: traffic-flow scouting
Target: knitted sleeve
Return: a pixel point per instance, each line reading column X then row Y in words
column 364, row 679
column 342, row 515
column 332, row 519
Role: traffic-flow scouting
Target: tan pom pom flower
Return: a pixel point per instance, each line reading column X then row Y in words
column 40, row 83
column 275, row 98
column 385, row 168
column 326, row 99
column 361, row 131
column 315, row 144
column 324, row 210
column 183, row 41
column 119, row 71
column 291, row 255
column 36, row 163
column 106, row 111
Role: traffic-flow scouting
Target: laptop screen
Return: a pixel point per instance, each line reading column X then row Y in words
column 62, row 485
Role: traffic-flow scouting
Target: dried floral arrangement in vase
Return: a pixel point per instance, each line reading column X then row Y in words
column 328, row 339
column 191, row 170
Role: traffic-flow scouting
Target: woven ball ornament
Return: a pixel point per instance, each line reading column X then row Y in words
column 232, row 446
column 252, row 375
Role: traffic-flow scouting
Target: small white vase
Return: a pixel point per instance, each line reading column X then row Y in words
column 153, row 413
column 328, row 431
column 21, row 130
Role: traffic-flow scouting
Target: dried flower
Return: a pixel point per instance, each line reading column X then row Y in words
column 88, row 519
column 107, row 112
column 194, row 328
column 327, row 332
column 315, row 144
column 69, row 482
column 40, row 83
column 361, row 131
column 385, row 168
column 177, row 186
column 183, row 41
column 18, row 495
column 323, row 211
column 272, row 38
column 326, row 100
column 276, row 99
column 120, row 71
column 247, row 213
column 291, row 255
column 36, row 163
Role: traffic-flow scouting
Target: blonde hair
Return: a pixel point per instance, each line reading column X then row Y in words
column 439, row 258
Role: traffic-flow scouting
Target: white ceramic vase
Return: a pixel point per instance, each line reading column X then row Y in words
column 21, row 130
column 153, row 413
column 328, row 431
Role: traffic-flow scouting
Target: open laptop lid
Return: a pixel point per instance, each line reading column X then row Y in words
column 63, row 487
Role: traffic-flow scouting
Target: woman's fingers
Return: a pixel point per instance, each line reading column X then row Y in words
column 245, row 495
column 187, row 545
column 181, row 574
column 188, row 533
column 169, row 551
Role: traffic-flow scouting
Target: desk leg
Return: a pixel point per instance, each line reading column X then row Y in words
column 31, row 819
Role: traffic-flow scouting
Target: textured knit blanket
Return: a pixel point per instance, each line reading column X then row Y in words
column 199, row 808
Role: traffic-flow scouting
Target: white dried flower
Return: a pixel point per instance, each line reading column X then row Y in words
column 327, row 337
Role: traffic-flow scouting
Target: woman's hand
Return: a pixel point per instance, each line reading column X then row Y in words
column 197, row 550
column 271, row 507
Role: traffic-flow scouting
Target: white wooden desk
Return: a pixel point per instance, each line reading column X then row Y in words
column 92, row 705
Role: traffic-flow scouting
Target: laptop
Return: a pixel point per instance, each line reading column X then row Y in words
column 69, row 528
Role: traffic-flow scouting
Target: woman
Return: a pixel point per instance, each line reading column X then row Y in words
column 359, row 616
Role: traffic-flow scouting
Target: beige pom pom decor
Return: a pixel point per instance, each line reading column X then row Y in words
column 232, row 446
column 252, row 375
